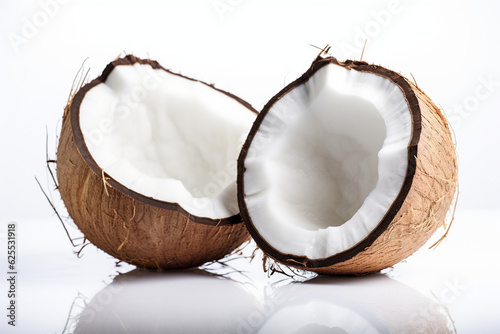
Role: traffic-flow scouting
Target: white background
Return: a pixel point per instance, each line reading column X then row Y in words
column 252, row 49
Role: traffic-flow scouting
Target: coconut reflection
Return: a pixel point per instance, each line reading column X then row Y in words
column 198, row 302
column 173, row 302
column 371, row 304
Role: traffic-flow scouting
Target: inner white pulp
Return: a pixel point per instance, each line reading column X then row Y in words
column 167, row 137
column 327, row 162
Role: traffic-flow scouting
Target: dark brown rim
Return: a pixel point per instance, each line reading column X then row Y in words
column 413, row 106
column 82, row 147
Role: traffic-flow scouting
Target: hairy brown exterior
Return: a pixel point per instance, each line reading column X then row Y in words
column 127, row 225
column 419, row 209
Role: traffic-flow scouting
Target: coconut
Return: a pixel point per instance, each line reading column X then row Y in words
column 348, row 170
column 146, row 165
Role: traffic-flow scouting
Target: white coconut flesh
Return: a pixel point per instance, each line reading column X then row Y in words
column 327, row 162
column 167, row 137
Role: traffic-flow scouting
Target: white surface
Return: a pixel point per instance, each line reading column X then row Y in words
column 252, row 49
column 451, row 285
column 327, row 162
column 167, row 137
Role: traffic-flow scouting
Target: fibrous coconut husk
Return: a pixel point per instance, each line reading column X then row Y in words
column 129, row 226
column 422, row 204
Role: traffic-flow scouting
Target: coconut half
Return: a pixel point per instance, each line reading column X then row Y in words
column 347, row 170
column 146, row 165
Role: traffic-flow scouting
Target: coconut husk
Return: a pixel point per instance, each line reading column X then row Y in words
column 422, row 204
column 129, row 226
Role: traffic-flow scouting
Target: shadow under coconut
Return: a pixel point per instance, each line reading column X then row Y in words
column 190, row 301
column 372, row 304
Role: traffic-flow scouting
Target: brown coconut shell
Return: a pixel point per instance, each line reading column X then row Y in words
column 128, row 225
column 419, row 209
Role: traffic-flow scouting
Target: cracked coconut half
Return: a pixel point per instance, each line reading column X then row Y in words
column 146, row 165
column 348, row 170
